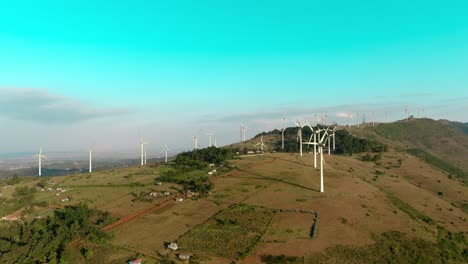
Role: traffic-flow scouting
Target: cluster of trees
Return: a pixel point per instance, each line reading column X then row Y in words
column 190, row 169
column 372, row 158
column 44, row 240
column 345, row 143
column 199, row 159
column 190, row 178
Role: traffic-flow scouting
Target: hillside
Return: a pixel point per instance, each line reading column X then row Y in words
column 257, row 209
column 446, row 141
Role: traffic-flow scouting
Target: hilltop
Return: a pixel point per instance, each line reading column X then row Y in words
column 443, row 143
column 394, row 207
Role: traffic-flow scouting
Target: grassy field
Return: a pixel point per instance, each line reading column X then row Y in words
column 233, row 233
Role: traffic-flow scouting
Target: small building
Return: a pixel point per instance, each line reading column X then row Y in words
column 64, row 200
column 159, row 183
column 153, row 194
column 135, row 261
column 173, row 246
column 210, row 173
column 250, row 152
column 179, row 200
column 190, row 194
column 167, row 193
column 214, row 171
column 184, row 256
column 11, row 218
column 212, row 165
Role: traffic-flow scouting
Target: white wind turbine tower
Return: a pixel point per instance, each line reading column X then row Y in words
column 91, row 159
column 241, row 133
column 332, row 135
column 143, row 152
column 282, row 132
column 357, row 119
column 299, row 135
column 261, row 144
column 165, row 150
column 210, row 136
column 215, row 143
column 196, row 142
column 244, row 128
column 321, row 144
column 40, row 156
column 314, row 136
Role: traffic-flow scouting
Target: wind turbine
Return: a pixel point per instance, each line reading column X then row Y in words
column 261, row 144
column 210, row 136
column 282, row 132
column 321, row 144
column 244, row 128
column 333, row 135
column 215, row 143
column 143, row 152
column 40, row 156
column 299, row 135
column 165, row 149
column 314, row 136
column 241, row 133
column 196, row 142
column 91, row 159
column 357, row 119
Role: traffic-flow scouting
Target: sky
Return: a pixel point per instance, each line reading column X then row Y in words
column 104, row 73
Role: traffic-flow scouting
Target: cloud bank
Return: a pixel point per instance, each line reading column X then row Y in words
column 43, row 107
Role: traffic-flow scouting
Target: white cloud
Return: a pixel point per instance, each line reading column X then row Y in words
column 41, row 106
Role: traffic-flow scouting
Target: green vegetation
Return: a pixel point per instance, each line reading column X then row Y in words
column 438, row 163
column 22, row 197
column 13, row 180
column 410, row 211
column 233, row 233
column 348, row 144
column 345, row 143
column 281, row 259
column 189, row 178
column 372, row 158
column 44, row 240
column 201, row 158
column 394, row 247
column 191, row 168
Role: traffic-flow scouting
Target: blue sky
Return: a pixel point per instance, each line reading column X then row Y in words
column 80, row 71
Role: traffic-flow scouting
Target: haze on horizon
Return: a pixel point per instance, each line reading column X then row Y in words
column 106, row 72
